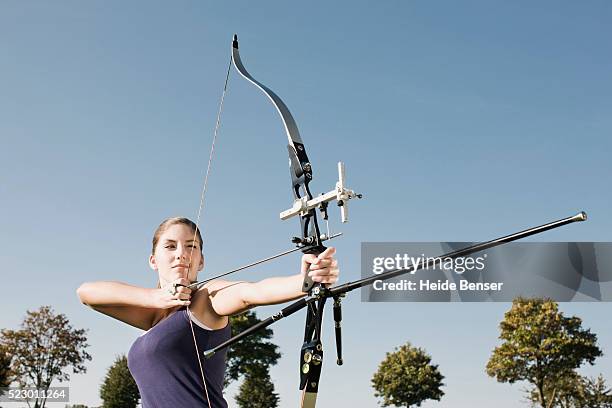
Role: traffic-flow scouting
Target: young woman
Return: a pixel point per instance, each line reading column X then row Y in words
column 167, row 360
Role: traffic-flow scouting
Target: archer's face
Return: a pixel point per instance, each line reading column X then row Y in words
column 177, row 255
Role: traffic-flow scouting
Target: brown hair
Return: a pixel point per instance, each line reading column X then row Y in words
column 173, row 221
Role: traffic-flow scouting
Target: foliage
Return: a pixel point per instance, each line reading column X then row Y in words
column 575, row 391
column 560, row 390
column 6, row 376
column 406, row 377
column 251, row 353
column 542, row 346
column 44, row 347
column 119, row 389
column 595, row 393
column 257, row 389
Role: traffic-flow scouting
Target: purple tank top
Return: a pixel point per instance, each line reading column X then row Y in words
column 164, row 364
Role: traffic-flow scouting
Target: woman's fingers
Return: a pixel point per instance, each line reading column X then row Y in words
column 323, row 263
column 183, row 293
column 178, row 293
column 321, row 260
column 322, row 268
column 326, row 271
column 328, row 253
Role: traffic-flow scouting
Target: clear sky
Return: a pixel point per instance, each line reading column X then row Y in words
column 459, row 121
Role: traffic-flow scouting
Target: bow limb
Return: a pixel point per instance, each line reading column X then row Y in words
column 290, row 126
column 311, row 239
column 301, row 168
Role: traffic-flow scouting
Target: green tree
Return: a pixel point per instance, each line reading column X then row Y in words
column 595, row 393
column 119, row 389
column 575, row 391
column 257, row 389
column 253, row 352
column 542, row 346
column 44, row 347
column 6, row 377
column 406, row 377
column 560, row 391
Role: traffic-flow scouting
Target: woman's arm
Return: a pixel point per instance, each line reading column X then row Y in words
column 136, row 306
column 228, row 298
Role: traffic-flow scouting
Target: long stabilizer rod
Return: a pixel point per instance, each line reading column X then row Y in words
column 338, row 290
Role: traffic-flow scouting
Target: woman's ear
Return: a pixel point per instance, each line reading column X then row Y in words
column 201, row 265
column 152, row 262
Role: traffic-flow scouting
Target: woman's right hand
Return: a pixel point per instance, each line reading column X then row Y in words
column 176, row 293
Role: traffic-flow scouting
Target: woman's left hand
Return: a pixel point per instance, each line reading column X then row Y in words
column 322, row 268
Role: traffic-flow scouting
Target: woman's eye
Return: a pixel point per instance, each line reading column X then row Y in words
column 169, row 247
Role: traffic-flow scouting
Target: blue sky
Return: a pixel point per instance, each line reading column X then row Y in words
column 459, row 121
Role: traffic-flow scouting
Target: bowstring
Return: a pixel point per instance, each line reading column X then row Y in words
column 197, row 223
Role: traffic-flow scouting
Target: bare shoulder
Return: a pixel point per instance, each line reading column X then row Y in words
column 205, row 303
